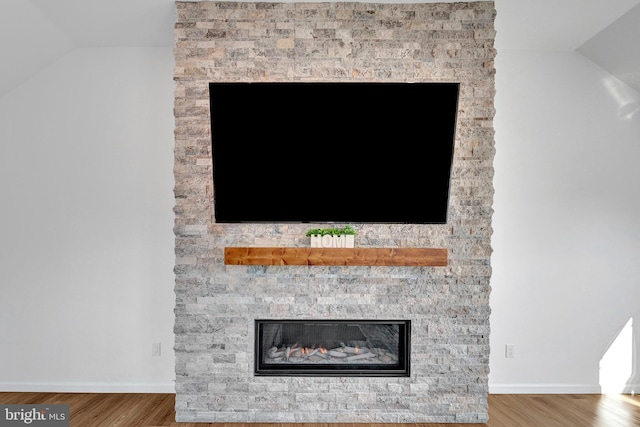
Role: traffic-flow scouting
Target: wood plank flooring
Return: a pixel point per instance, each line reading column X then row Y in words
column 505, row 410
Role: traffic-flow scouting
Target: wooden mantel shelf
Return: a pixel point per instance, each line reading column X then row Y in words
column 413, row 257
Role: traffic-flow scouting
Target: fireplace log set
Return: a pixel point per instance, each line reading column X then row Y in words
column 343, row 354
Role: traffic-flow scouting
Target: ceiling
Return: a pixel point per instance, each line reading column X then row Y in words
column 35, row 33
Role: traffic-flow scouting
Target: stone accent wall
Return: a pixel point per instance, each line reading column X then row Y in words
column 449, row 306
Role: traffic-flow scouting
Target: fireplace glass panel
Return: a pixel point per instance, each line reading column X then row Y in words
column 332, row 347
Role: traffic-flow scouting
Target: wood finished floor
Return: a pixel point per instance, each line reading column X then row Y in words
column 505, row 410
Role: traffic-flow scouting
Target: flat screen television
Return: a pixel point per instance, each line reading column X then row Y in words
column 320, row 152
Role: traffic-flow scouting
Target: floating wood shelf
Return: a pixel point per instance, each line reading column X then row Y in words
column 413, row 257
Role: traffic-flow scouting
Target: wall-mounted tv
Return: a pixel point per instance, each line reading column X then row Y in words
column 321, row 152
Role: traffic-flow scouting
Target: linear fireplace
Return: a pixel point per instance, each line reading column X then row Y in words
column 332, row 347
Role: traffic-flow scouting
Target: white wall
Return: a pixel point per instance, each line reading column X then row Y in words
column 566, row 270
column 86, row 254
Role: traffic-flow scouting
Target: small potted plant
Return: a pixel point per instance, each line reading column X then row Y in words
column 332, row 237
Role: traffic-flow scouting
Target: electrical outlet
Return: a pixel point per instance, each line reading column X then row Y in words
column 156, row 349
column 510, row 351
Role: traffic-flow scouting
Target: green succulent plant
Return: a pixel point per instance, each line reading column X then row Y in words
column 332, row 231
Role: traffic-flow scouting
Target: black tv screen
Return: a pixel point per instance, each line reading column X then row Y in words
column 299, row 152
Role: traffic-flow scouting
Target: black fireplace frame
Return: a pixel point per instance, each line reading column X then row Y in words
column 400, row 369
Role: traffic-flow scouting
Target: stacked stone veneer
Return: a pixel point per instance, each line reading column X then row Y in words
column 216, row 304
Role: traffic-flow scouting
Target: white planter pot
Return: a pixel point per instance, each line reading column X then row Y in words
column 331, row 241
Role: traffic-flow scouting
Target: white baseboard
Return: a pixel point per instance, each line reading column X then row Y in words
column 87, row 387
column 543, row 389
column 170, row 388
column 559, row 389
